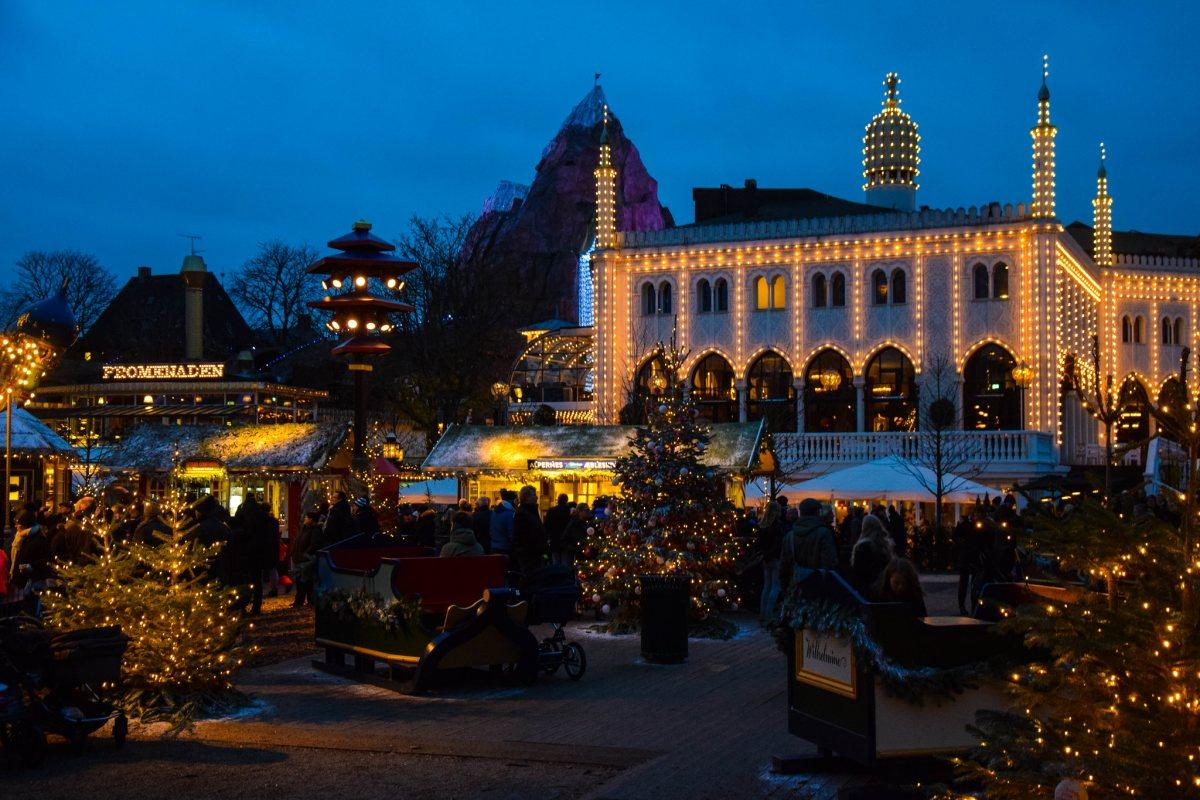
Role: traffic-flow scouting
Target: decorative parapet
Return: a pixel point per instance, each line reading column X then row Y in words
column 990, row 214
column 1155, row 262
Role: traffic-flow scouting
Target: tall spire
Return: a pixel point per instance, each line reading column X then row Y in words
column 1043, row 134
column 891, row 153
column 1102, row 247
column 606, row 192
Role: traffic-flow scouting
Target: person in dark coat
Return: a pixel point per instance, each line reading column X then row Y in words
column 304, row 551
column 364, row 517
column 426, row 527
column 260, row 533
column 529, row 535
column 769, row 544
column 154, row 528
column 809, row 545
column 481, row 523
column 501, row 533
column 575, row 534
column 872, row 553
column 901, row 584
column 555, row 522
column 32, row 558
column 895, row 527
column 339, row 523
column 462, row 539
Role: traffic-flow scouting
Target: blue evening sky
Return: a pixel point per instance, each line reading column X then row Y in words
column 125, row 124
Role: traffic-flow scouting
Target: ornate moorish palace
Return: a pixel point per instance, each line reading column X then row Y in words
column 830, row 318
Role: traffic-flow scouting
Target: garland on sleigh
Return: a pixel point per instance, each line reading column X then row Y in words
column 911, row 684
column 401, row 616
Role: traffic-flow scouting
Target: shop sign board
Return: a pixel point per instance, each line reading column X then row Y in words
column 826, row 661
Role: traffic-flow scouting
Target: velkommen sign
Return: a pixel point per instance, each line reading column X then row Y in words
column 160, row 372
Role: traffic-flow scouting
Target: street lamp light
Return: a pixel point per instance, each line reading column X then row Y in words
column 357, row 313
column 1022, row 376
column 40, row 336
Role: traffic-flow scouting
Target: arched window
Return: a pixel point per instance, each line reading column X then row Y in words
column 1177, row 331
column 762, row 294
column 891, row 392
column 1139, row 329
column 1167, row 330
column 652, row 377
column 829, row 403
column 721, row 295
column 899, row 287
column 1126, row 330
column 664, row 298
column 778, row 293
column 991, row 398
column 1134, row 425
column 649, row 301
column 1000, row 281
column 704, row 298
column 879, row 287
column 818, row 290
column 770, row 394
column 981, row 282
column 837, row 294
column 713, row 389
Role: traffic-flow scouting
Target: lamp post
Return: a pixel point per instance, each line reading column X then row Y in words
column 1022, row 376
column 40, row 336
column 357, row 313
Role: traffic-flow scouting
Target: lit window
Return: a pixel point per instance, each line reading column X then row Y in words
column 879, row 287
column 762, row 294
column 1000, row 281
column 778, row 292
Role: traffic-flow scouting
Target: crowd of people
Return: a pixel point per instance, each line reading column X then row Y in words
column 877, row 551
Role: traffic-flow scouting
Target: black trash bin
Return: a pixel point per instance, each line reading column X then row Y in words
column 665, row 600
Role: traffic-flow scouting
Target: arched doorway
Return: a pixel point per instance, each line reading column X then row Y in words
column 770, row 392
column 1134, row 425
column 891, row 392
column 651, row 379
column 1171, row 397
column 829, row 403
column 991, row 398
column 713, row 389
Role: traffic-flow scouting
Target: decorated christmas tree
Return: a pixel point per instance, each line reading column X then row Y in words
column 1113, row 697
column 183, row 628
column 672, row 516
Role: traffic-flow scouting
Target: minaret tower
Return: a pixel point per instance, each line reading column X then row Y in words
column 1102, row 246
column 606, row 193
column 891, row 153
column 1043, row 134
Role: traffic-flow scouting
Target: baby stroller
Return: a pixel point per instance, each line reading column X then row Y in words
column 553, row 595
column 61, row 683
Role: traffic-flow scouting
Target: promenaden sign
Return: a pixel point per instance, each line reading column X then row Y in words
column 573, row 464
column 161, row 372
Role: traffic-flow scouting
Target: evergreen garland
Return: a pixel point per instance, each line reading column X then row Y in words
column 395, row 616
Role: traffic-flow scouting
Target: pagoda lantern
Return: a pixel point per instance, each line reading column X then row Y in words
column 364, row 259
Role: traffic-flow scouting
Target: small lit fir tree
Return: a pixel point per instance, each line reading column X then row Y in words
column 672, row 517
column 1113, row 700
column 184, row 630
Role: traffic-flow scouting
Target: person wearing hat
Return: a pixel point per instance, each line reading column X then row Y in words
column 364, row 516
column 809, row 545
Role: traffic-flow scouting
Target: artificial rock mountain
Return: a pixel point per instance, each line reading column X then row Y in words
column 536, row 233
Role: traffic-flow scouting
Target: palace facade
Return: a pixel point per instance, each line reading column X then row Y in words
column 833, row 319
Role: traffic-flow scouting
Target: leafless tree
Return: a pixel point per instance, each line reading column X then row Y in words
column 1103, row 403
column 942, row 460
column 462, row 337
column 40, row 273
column 274, row 286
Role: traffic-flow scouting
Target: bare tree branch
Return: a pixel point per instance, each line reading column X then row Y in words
column 274, row 286
column 40, row 274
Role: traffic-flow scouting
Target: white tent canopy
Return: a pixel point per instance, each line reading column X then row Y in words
column 442, row 492
column 890, row 478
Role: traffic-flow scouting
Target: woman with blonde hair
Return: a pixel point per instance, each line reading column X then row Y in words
column 872, row 553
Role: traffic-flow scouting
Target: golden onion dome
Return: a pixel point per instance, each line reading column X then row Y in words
column 891, row 146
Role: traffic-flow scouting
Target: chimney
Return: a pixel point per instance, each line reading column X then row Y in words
column 143, row 272
column 193, row 272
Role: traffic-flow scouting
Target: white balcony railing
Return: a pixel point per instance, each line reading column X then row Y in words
column 1029, row 449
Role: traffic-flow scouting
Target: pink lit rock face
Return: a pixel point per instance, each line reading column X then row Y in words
column 539, row 236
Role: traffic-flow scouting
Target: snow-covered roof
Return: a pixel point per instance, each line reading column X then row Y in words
column 287, row 445
column 30, row 434
column 474, row 448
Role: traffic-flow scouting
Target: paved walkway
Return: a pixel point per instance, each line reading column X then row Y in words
column 704, row 729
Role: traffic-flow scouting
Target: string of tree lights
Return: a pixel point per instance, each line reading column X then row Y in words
column 672, row 517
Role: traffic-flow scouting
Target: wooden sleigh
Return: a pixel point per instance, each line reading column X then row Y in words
column 838, row 703
column 468, row 617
